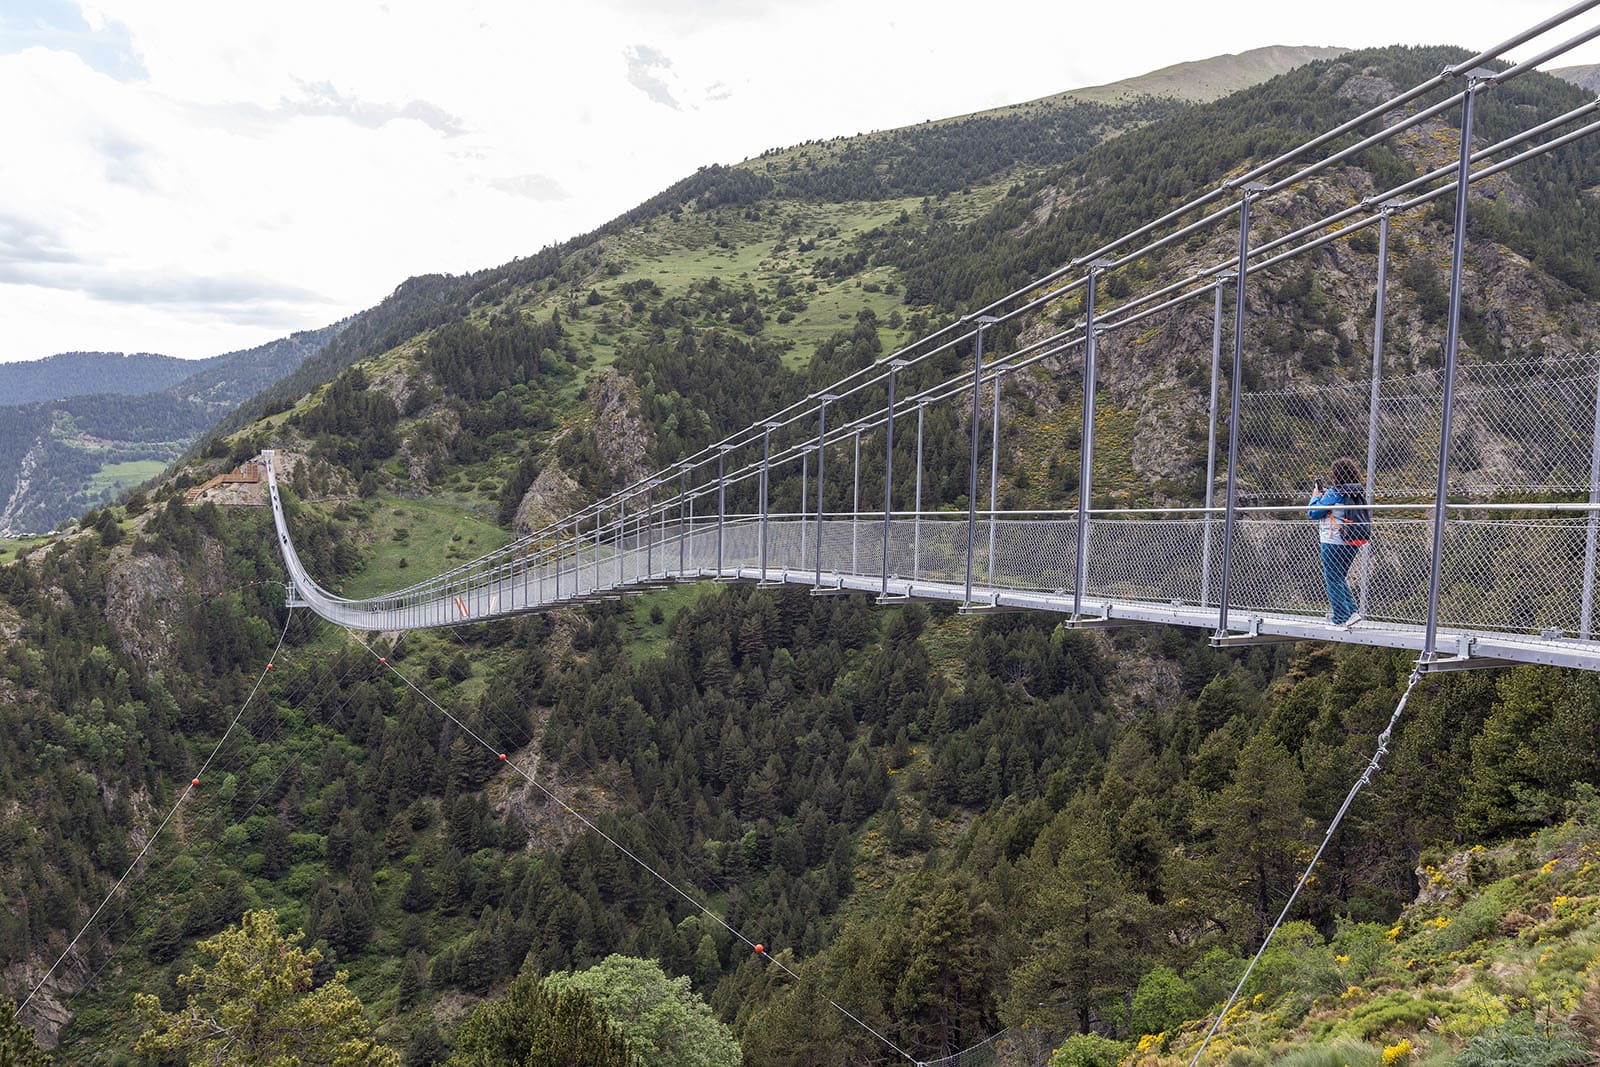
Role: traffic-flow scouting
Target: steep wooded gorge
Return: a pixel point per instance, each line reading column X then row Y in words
column 953, row 826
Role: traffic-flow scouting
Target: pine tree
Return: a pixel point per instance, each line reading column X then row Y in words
column 255, row 1005
column 1085, row 922
column 418, row 896
column 1258, row 829
column 942, row 995
column 18, row 1046
column 532, row 1025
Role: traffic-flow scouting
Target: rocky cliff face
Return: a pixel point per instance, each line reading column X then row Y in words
column 552, row 495
column 620, row 434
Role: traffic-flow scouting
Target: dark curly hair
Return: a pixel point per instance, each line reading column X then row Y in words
column 1345, row 471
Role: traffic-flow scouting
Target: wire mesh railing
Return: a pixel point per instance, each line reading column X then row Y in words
column 1520, row 426
column 1526, row 427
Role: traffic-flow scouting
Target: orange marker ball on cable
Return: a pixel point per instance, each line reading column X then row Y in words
column 195, row 781
column 761, row 950
column 502, row 757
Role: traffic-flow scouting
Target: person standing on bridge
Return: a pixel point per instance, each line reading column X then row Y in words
column 1343, row 526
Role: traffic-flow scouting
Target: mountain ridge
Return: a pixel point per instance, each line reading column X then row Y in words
column 73, row 450
column 79, row 373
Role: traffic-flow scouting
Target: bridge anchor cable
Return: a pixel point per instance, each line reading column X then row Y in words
column 1338, row 817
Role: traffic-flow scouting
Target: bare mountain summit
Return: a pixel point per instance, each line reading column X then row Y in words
column 1202, row 80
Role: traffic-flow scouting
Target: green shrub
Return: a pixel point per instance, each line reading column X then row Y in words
column 1519, row 1043
column 1398, row 1012
column 1161, row 1002
column 1343, row 1053
column 1088, row 1050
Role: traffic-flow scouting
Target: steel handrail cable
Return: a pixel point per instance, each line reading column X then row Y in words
column 704, row 909
column 955, row 385
column 1006, row 363
column 1377, row 111
column 260, row 677
column 1344, row 808
column 1070, row 338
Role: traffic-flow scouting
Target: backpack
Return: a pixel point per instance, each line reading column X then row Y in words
column 1356, row 526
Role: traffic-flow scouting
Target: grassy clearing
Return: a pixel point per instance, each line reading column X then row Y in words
column 12, row 549
column 649, row 637
column 115, row 477
column 414, row 539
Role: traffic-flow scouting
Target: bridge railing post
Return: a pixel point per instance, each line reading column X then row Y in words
column 855, row 508
column 822, row 441
column 722, row 504
column 684, row 504
column 1091, row 372
column 916, row 505
column 994, row 471
column 1211, row 447
column 766, row 462
column 1377, row 390
column 1235, row 393
column 984, row 321
column 1451, row 344
column 800, row 512
column 1586, row 608
column 888, row 476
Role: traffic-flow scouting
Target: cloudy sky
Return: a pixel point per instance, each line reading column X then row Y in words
column 192, row 177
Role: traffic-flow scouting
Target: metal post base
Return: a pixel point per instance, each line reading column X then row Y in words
column 994, row 607
column 1462, row 663
column 1465, row 659
column 1100, row 622
column 1245, row 640
column 1252, row 635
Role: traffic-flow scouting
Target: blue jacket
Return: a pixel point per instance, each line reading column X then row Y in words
column 1328, row 510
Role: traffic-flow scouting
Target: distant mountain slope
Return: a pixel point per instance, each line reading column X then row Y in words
column 1585, row 77
column 72, row 450
column 1202, row 80
column 930, row 159
column 80, row 373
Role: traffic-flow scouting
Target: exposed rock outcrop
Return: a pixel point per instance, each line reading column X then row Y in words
column 620, row 434
column 552, row 495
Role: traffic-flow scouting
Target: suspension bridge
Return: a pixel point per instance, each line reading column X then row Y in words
column 1483, row 474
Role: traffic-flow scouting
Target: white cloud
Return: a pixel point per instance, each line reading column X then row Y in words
column 196, row 178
